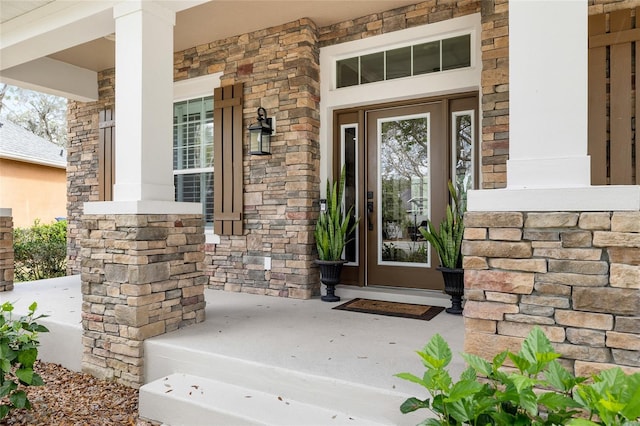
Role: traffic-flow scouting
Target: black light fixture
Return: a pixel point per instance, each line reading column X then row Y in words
column 260, row 134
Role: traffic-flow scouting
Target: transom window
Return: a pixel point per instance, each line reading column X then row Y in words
column 193, row 153
column 423, row 58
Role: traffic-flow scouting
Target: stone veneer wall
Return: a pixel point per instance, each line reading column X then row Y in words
column 279, row 69
column 576, row 275
column 141, row 277
column 494, row 146
column 82, row 161
column 6, row 253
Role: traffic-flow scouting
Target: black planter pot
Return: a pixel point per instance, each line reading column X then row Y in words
column 454, row 287
column 330, row 276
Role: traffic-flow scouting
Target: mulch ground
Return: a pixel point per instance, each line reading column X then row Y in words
column 75, row 399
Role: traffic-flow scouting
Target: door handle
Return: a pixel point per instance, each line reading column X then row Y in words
column 369, row 213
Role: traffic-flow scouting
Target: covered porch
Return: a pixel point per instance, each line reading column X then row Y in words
column 263, row 360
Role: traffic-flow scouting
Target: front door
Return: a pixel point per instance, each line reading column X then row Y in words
column 398, row 161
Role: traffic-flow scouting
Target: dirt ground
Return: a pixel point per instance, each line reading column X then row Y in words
column 76, row 399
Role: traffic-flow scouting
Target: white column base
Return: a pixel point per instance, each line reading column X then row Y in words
column 572, row 172
column 594, row 198
column 143, row 191
column 141, row 207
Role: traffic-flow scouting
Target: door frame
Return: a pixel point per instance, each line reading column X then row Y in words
column 355, row 275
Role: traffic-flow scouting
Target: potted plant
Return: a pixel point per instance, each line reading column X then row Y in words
column 447, row 242
column 333, row 231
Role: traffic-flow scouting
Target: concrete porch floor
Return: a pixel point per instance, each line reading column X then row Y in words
column 283, row 336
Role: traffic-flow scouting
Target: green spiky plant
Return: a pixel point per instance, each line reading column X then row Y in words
column 334, row 228
column 447, row 240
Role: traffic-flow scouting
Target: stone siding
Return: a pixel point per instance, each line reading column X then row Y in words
column 82, row 161
column 280, row 72
column 494, row 145
column 6, row 253
column 142, row 276
column 576, row 275
column 422, row 13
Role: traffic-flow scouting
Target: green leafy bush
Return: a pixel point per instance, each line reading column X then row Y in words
column 18, row 352
column 539, row 392
column 40, row 251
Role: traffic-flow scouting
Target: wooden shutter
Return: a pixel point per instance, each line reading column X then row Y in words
column 106, row 154
column 227, row 171
column 613, row 150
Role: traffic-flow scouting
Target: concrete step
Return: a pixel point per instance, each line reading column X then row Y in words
column 344, row 399
column 186, row 400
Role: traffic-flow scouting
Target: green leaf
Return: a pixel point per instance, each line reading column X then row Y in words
column 535, row 343
column 40, row 328
column 436, row 354
column 478, row 364
column 27, row 357
column 469, row 374
column 6, row 353
column 632, row 410
column 499, row 359
column 37, row 380
column 7, row 388
column 529, row 401
column 437, row 379
column 413, row 404
column 462, row 390
column 558, row 377
column 522, row 382
column 555, row 401
column 460, row 411
column 19, row 399
column 410, row 377
column 25, row 375
column 522, row 364
column 4, row 411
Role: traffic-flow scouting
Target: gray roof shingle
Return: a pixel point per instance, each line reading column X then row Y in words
column 20, row 144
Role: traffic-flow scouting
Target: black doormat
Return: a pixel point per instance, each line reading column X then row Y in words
column 392, row 309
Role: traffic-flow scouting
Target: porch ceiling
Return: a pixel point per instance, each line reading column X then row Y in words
column 219, row 19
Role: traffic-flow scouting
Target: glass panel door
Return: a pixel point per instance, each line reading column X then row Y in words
column 407, row 172
column 398, row 160
column 403, row 185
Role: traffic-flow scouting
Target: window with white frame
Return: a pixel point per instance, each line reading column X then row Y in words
column 193, row 153
column 405, row 61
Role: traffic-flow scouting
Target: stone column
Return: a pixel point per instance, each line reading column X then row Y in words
column 142, row 254
column 141, row 277
column 575, row 275
column 6, row 250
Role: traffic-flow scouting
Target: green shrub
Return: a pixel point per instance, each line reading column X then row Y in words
column 18, row 352
column 40, row 251
column 540, row 392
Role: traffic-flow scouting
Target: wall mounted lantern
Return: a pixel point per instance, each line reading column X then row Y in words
column 260, row 134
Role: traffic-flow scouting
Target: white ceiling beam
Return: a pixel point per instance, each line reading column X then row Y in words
column 58, row 78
